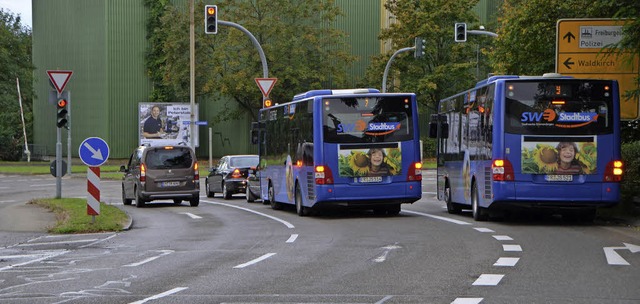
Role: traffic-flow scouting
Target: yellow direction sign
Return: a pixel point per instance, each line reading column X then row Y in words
column 582, row 51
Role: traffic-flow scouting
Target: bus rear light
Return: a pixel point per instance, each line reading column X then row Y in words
column 143, row 173
column 502, row 170
column 614, row 171
column 415, row 173
column 323, row 175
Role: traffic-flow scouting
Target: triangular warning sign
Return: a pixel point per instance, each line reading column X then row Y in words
column 265, row 85
column 59, row 79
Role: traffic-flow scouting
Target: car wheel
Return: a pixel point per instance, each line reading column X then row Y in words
column 300, row 208
column 125, row 200
column 479, row 213
column 250, row 197
column 272, row 198
column 194, row 202
column 225, row 191
column 207, row 190
column 177, row 201
column 139, row 200
column 452, row 207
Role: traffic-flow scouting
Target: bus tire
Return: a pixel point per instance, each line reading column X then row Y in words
column 452, row 207
column 272, row 198
column 301, row 210
column 479, row 213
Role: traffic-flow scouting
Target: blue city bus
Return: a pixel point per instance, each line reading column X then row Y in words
column 357, row 148
column 547, row 142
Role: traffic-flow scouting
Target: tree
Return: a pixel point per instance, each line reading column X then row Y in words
column 15, row 62
column 302, row 49
column 446, row 67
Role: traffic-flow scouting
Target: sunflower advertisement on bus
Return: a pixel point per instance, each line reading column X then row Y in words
column 570, row 155
column 370, row 161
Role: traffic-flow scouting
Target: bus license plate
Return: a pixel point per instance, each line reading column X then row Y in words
column 558, row 178
column 370, row 179
column 169, row 184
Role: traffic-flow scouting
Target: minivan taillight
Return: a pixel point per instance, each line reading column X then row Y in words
column 415, row 172
column 613, row 172
column 323, row 175
column 143, row 173
column 196, row 172
column 502, row 170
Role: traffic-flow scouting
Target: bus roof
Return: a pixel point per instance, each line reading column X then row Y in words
column 313, row 93
column 504, row 77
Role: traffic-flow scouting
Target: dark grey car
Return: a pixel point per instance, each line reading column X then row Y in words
column 230, row 175
column 161, row 172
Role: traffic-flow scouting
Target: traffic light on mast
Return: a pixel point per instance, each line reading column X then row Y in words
column 267, row 103
column 461, row 32
column 419, row 51
column 210, row 19
column 61, row 118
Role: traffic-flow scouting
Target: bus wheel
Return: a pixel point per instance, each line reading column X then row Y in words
column 300, row 209
column 479, row 213
column 272, row 199
column 452, row 208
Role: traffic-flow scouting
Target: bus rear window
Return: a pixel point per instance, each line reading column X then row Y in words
column 367, row 119
column 559, row 107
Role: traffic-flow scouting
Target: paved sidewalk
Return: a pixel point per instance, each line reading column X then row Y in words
column 24, row 217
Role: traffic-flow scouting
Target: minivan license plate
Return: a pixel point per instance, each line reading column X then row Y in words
column 558, row 178
column 169, row 184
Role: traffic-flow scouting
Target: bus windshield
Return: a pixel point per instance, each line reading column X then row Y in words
column 367, row 119
column 559, row 107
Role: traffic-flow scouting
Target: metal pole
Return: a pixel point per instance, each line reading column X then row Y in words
column 69, row 132
column 58, row 162
column 478, row 32
column 24, row 128
column 210, row 147
column 386, row 69
column 192, row 77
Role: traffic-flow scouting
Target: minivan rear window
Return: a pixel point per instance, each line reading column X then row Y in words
column 176, row 158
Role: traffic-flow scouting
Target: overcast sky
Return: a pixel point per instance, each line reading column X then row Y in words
column 19, row 7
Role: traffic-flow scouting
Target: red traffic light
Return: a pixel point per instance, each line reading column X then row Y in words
column 62, row 103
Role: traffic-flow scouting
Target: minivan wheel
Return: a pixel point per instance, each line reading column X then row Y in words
column 194, row 202
column 139, row 200
column 125, row 200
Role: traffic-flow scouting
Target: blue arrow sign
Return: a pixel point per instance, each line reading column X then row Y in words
column 93, row 151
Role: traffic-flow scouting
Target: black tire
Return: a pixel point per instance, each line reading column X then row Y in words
column 479, row 213
column 139, row 200
column 301, row 210
column 452, row 207
column 177, row 201
column 125, row 200
column 250, row 197
column 194, row 202
column 208, row 191
column 272, row 200
column 393, row 210
column 225, row 192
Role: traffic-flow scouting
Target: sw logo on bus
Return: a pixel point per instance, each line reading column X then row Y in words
column 373, row 128
column 562, row 119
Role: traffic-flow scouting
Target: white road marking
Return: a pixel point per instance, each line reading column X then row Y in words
column 289, row 225
column 488, row 280
column 41, row 257
column 502, row 238
column 506, row 262
column 42, row 185
column 384, row 299
column 61, row 242
column 515, row 248
column 484, row 230
column 292, row 238
column 442, row 218
column 254, row 261
column 613, row 258
column 161, row 295
column 383, row 257
column 162, row 253
column 191, row 215
column 467, row 301
column 7, row 201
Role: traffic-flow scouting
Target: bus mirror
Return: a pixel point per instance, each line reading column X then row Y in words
column 433, row 129
column 255, row 136
column 438, row 123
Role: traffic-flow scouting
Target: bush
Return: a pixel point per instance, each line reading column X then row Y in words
column 631, row 158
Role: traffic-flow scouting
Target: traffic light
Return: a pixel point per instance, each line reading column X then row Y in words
column 461, row 32
column 210, row 19
column 62, row 119
column 267, row 103
column 419, row 52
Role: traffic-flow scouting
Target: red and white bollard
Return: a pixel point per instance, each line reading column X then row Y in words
column 93, row 187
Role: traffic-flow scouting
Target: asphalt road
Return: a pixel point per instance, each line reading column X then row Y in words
column 233, row 251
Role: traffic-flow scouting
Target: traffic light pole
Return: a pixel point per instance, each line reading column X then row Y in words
column 386, row 69
column 58, row 160
column 69, row 132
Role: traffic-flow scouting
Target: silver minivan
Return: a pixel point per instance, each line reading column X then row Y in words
column 161, row 173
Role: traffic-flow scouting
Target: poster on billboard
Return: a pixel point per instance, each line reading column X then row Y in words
column 162, row 124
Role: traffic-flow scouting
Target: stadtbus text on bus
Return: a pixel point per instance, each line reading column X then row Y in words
column 357, row 148
column 549, row 142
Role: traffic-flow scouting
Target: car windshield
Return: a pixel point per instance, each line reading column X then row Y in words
column 243, row 161
column 179, row 158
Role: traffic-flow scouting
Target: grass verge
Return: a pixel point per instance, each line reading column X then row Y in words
column 71, row 215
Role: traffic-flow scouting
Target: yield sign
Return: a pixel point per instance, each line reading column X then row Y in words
column 59, row 79
column 265, row 85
